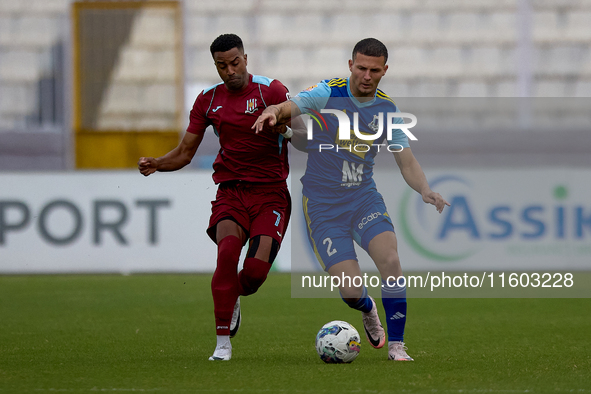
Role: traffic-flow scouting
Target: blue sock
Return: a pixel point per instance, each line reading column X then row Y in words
column 394, row 301
column 363, row 304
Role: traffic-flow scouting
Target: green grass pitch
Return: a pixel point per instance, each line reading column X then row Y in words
column 154, row 333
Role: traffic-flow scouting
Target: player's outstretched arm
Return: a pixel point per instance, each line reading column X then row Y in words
column 173, row 160
column 415, row 177
column 275, row 115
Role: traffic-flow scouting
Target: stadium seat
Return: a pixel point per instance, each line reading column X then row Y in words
column 329, row 62
column 40, row 7
column 583, row 88
column 302, row 6
column 561, row 60
column 474, row 28
column 198, row 29
column 585, row 68
column 200, row 67
column 347, row 29
column 159, row 98
column 578, row 29
column 424, row 28
column 490, row 61
column 505, row 88
column 220, row 7
column 267, row 27
column 555, row 27
column 159, row 121
column 142, row 64
column 237, row 24
column 306, row 29
column 19, row 65
column 281, row 30
column 121, row 99
column 549, row 89
column 201, row 30
column 472, row 89
column 11, row 7
column 153, row 28
column 447, row 6
column 503, row 28
column 6, row 29
column 17, row 99
column 119, row 122
column 396, row 88
column 390, row 27
column 287, row 63
column 463, row 47
column 136, row 101
column 463, row 28
column 256, row 60
column 545, row 27
column 29, row 31
column 431, row 89
column 407, row 62
column 444, row 62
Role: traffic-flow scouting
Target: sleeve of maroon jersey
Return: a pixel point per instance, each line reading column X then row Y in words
column 197, row 120
column 277, row 93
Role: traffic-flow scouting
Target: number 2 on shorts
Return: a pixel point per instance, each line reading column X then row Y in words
column 329, row 246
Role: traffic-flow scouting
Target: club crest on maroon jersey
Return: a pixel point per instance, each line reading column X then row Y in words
column 251, row 106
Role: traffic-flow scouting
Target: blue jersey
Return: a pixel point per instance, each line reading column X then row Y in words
column 345, row 171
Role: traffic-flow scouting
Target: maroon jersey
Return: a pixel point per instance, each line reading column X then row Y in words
column 243, row 155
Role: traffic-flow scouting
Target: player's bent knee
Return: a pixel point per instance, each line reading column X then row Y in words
column 229, row 248
column 260, row 249
column 394, row 260
column 253, row 275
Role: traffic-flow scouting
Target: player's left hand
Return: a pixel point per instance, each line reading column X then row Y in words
column 147, row 165
column 431, row 197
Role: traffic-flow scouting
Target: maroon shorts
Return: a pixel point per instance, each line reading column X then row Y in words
column 259, row 208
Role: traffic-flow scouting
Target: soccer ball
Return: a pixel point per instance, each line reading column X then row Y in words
column 338, row 342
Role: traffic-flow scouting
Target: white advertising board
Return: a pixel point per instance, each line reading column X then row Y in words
column 115, row 221
column 122, row 222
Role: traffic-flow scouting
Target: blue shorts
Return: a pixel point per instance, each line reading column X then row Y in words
column 332, row 228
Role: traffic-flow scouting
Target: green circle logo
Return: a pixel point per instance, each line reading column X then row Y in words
column 560, row 192
column 413, row 241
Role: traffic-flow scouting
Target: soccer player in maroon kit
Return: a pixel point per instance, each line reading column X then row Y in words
column 252, row 201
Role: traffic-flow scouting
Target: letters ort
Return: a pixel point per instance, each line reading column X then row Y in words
column 16, row 216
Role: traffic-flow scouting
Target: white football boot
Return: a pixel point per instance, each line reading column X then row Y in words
column 236, row 319
column 397, row 352
column 223, row 351
column 373, row 327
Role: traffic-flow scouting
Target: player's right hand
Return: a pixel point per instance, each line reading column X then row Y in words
column 267, row 117
column 147, row 165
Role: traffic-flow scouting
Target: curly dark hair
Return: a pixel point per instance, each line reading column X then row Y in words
column 225, row 42
column 371, row 47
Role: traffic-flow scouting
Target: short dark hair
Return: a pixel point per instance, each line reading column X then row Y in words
column 225, row 42
column 371, row 47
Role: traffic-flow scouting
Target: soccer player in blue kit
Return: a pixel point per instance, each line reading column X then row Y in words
column 340, row 199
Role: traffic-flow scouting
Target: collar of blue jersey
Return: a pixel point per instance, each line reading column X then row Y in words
column 357, row 102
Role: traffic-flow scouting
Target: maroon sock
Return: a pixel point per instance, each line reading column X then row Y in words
column 224, row 284
column 253, row 274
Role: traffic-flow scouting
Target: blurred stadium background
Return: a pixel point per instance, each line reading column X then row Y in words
column 93, row 85
column 71, row 70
